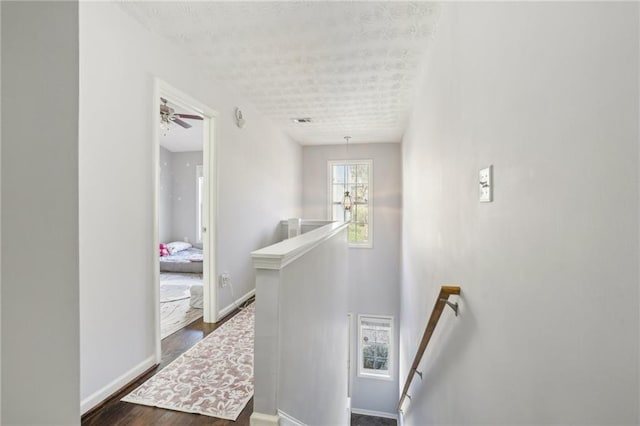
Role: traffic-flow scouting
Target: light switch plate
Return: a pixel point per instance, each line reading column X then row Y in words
column 486, row 185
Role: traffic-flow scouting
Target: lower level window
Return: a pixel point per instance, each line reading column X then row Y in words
column 375, row 346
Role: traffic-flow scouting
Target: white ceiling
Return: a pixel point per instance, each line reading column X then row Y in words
column 350, row 66
column 179, row 139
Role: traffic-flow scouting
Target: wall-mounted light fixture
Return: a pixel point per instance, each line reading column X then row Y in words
column 240, row 121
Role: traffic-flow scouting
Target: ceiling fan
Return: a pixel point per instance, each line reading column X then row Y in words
column 168, row 116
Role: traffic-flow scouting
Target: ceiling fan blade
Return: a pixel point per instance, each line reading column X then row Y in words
column 189, row 116
column 180, row 122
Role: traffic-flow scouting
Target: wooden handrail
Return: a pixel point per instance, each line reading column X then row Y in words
column 441, row 302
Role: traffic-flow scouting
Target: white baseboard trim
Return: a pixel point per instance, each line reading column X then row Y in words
column 374, row 413
column 97, row 397
column 226, row 311
column 287, row 420
column 261, row 419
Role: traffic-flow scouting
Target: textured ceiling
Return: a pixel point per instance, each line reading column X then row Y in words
column 350, row 66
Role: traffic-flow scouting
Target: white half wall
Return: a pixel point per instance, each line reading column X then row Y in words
column 548, row 330
column 258, row 177
column 39, row 271
column 301, row 343
column 374, row 273
column 312, row 384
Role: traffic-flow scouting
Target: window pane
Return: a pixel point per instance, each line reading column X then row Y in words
column 376, row 331
column 365, row 232
column 338, row 192
column 352, row 232
column 361, row 233
column 351, row 188
column 361, row 193
column 338, row 212
column 368, row 361
column 338, row 174
column 351, row 173
column 363, row 214
column 375, row 335
column 381, row 352
column 362, row 173
column 380, row 364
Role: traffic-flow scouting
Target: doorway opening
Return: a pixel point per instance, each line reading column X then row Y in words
column 185, row 211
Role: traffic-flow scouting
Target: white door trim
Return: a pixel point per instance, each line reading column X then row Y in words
column 210, row 208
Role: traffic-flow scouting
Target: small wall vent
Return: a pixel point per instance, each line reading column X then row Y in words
column 301, row 120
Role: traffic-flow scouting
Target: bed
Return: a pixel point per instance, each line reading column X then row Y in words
column 189, row 260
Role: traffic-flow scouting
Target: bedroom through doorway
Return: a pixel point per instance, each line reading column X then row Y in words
column 184, row 211
column 181, row 252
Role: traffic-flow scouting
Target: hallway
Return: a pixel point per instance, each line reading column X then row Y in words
column 114, row 412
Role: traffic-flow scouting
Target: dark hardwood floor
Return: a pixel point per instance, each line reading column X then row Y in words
column 362, row 420
column 114, row 412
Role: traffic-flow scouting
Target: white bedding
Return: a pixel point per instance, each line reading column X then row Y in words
column 189, row 260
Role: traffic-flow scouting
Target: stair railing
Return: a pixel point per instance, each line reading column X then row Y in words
column 441, row 302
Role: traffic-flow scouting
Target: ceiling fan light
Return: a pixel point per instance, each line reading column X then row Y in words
column 166, row 124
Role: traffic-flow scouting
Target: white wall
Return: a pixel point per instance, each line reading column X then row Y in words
column 185, row 193
column 0, row 214
column 548, row 331
column 165, row 196
column 178, row 196
column 374, row 274
column 258, row 179
column 40, row 348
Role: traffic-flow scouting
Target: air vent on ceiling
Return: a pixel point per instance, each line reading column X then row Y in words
column 301, row 120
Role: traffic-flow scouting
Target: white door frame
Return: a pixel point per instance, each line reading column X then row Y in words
column 350, row 355
column 210, row 202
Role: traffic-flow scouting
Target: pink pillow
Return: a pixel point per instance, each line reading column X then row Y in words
column 163, row 250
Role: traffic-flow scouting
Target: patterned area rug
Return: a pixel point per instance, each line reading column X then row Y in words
column 175, row 309
column 174, row 290
column 213, row 378
column 176, row 315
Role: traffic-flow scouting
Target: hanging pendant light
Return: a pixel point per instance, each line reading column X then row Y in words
column 346, row 201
